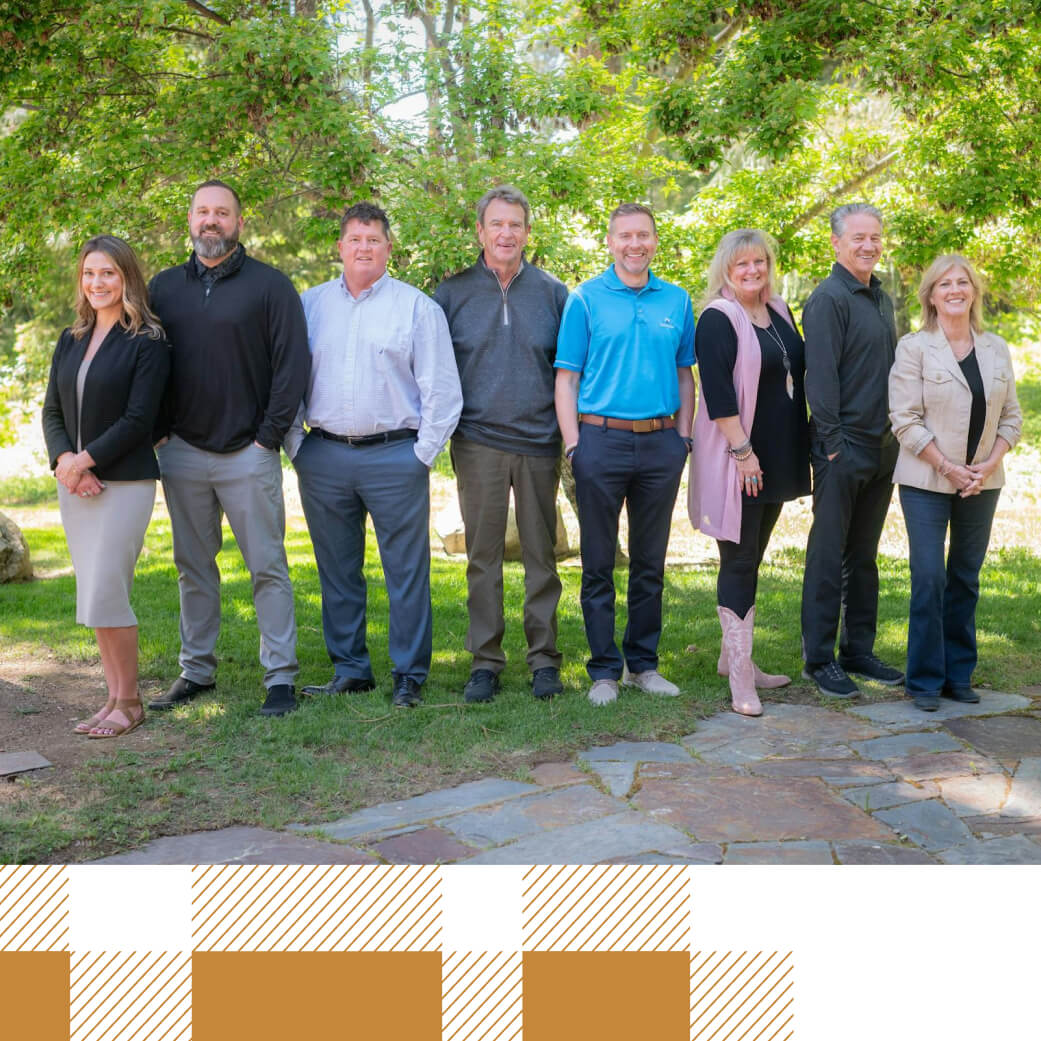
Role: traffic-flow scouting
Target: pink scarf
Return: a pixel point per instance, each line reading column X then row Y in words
column 713, row 491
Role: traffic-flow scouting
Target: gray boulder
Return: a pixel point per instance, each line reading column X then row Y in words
column 15, row 565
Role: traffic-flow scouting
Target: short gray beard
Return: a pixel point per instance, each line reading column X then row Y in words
column 214, row 249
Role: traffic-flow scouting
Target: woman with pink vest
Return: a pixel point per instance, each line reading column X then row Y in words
column 751, row 438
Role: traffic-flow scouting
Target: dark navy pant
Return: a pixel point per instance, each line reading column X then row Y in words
column 941, row 631
column 643, row 471
column 339, row 486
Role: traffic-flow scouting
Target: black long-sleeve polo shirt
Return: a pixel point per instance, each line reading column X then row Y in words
column 850, row 333
column 240, row 361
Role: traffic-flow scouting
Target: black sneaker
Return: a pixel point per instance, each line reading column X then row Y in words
column 281, row 700
column 869, row 667
column 482, row 686
column 966, row 694
column 831, row 679
column 545, row 682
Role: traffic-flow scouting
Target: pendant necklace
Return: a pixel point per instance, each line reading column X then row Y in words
column 789, row 383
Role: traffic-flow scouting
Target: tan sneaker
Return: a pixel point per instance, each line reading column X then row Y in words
column 603, row 692
column 651, row 682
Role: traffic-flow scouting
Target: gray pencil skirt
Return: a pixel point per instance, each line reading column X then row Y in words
column 105, row 534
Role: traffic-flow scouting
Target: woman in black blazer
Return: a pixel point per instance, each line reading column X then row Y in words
column 107, row 380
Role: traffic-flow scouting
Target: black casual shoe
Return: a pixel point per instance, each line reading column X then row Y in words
column 341, row 685
column 406, row 693
column 281, row 700
column 545, row 682
column 482, row 686
column 868, row 667
column 966, row 694
column 926, row 702
column 831, row 679
column 180, row 692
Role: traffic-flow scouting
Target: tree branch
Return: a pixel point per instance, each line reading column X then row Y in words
column 206, row 12
column 829, row 197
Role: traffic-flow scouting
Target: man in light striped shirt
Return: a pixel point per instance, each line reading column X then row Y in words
column 382, row 401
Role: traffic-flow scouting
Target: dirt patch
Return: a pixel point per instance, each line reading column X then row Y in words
column 41, row 699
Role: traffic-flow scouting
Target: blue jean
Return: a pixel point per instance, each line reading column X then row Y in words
column 339, row 485
column 941, row 633
column 643, row 471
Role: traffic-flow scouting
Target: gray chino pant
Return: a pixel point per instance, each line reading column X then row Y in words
column 484, row 476
column 246, row 487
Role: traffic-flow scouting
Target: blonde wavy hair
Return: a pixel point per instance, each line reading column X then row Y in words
column 731, row 246
column 137, row 316
column 936, row 270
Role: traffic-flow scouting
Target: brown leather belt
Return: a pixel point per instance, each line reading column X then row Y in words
column 637, row 426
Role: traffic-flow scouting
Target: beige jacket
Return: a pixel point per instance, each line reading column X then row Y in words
column 929, row 399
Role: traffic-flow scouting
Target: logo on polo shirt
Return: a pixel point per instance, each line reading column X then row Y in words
column 666, row 323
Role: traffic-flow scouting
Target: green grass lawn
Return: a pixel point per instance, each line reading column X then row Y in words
column 216, row 762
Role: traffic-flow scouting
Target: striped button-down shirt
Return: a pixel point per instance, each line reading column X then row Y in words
column 382, row 361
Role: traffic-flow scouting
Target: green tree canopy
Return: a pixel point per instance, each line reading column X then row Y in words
column 720, row 114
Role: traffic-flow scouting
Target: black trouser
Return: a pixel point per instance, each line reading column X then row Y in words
column 850, row 498
column 739, row 561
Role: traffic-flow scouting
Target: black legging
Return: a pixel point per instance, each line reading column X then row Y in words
column 739, row 562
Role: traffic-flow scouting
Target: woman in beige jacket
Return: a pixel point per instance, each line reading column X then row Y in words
column 952, row 402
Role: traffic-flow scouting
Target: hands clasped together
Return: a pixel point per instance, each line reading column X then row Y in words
column 74, row 472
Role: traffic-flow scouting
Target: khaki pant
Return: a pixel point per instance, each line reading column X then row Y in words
column 485, row 476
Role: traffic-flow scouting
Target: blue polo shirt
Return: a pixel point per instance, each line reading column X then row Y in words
column 627, row 344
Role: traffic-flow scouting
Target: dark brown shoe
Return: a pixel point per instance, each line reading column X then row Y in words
column 181, row 691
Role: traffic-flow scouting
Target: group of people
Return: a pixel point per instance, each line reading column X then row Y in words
column 363, row 379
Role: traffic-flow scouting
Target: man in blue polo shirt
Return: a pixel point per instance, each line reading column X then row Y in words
column 625, row 401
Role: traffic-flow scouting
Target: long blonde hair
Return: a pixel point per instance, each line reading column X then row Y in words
column 137, row 315
column 939, row 267
column 731, row 246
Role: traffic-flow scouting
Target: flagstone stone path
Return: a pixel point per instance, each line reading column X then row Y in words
column 873, row 784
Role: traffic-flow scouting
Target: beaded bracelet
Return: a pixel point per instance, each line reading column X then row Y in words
column 741, row 452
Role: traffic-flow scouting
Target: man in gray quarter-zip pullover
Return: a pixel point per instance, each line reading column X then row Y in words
column 850, row 343
column 503, row 315
column 239, row 366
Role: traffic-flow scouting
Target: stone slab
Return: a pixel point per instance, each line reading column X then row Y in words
column 553, row 775
column 1003, row 737
column 902, row 715
column 883, row 796
column 695, row 853
column 936, row 766
column 617, row 778
column 839, row 773
column 13, row 763
column 241, row 846
column 636, row 752
column 390, row 815
column 1015, row 849
column 784, row 731
column 869, row 853
column 974, row 795
column 423, row 846
column 778, row 853
column 750, row 809
column 518, row 818
column 900, row 745
column 618, row 838
column 1024, row 799
column 999, row 826
column 929, row 824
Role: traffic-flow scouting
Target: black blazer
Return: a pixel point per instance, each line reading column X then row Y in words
column 121, row 399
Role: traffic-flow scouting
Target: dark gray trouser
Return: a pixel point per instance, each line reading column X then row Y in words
column 339, row 485
column 246, row 487
column 484, row 477
column 850, row 498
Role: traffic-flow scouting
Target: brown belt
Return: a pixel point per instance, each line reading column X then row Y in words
column 637, row 426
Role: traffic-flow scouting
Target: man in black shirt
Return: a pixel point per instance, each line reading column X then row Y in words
column 240, row 364
column 850, row 343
